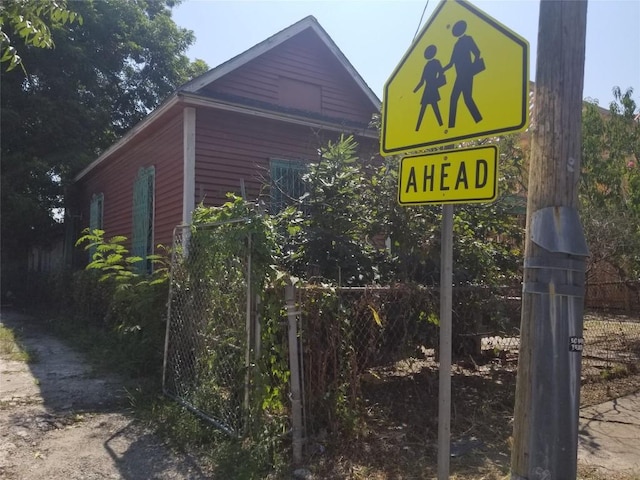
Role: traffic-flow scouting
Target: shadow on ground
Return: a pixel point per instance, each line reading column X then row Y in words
column 58, row 419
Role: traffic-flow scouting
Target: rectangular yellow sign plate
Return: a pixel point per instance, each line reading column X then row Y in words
column 452, row 176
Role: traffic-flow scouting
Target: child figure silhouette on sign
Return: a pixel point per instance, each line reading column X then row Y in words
column 432, row 78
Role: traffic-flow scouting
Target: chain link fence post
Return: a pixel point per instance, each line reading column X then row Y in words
column 294, row 366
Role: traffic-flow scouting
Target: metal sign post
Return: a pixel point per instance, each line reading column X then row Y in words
column 444, row 375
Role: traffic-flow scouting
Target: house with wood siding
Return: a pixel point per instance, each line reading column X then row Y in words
column 245, row 126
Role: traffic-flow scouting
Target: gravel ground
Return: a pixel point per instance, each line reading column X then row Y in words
column 59, row 421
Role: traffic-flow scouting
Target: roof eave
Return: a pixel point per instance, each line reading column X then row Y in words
column 131, row 134
column 200, row 101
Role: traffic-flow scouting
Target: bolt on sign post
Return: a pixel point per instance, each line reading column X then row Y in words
column 465, row 76
column 546, row 417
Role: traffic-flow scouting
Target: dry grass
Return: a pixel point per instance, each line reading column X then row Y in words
column 396, row 434
column 586, row 472
column 10, row 347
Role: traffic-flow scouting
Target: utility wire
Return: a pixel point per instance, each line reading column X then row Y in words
column 421, row 17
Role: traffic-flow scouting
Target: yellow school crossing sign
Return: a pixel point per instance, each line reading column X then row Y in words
column 466, row 76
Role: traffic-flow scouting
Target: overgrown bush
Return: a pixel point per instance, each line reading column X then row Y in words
column 347, row 228
column 112, row 297
column 325, row 233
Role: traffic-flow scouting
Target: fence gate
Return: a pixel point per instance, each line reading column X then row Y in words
column 209, row 345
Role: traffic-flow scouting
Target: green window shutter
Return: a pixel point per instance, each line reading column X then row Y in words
column 143, row 200
column 286, row 183
column 95, row 214
column 95, row 217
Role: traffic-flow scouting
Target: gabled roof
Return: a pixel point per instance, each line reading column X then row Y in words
column 188, row 93
column 291, row 31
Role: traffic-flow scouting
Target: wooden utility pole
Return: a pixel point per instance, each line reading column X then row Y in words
column 545, row 432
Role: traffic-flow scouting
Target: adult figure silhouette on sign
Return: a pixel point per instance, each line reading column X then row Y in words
column 466, row 68
column 432, row 79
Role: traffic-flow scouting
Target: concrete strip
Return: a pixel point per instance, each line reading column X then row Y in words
column 609, row 435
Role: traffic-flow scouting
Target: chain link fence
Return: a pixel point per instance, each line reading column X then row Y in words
column 208, row 349
column 357, row 336
column 349, row 338
column 611, row 354
column 353, row 335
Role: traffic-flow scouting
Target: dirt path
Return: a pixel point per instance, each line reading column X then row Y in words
column 58, row 421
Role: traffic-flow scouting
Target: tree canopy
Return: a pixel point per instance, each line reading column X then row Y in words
column 610, row 190
column 102, row 77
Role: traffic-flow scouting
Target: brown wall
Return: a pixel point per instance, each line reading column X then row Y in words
column 114, row 178
column 301, row 73
column 231, row 147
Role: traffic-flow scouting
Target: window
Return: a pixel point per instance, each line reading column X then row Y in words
column 286, row 183
column 96, row 212
column 143, row 201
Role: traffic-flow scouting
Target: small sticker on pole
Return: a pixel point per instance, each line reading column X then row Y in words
column 576, row 344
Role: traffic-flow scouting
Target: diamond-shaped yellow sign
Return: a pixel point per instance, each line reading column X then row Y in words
column 466, row 76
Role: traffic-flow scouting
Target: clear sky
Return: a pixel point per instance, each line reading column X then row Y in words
column 375, row 34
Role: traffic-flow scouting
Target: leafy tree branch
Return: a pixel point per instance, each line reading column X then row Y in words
column 31, row 21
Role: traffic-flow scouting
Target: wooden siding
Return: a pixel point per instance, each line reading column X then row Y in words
column 231, row 147
column 305, row 63
column 162, row 148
